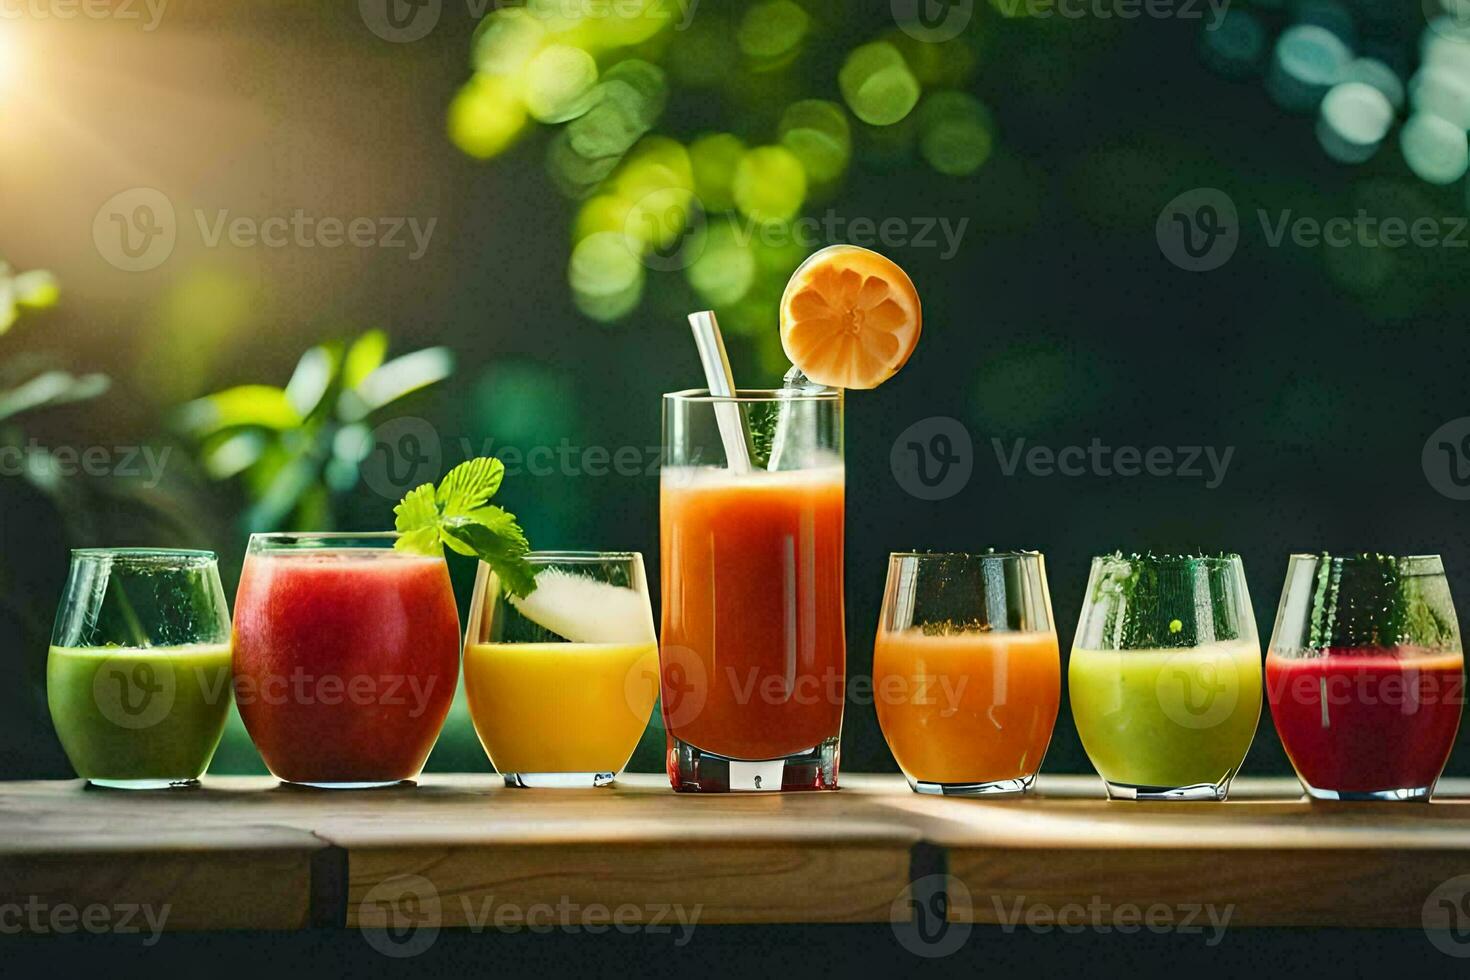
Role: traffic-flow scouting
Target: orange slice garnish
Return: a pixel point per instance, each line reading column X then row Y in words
column 850, row 318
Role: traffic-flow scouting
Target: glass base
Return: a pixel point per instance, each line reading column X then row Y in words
column 1419, row 794
column 558, row 780
column 995, row 787
column 370, row 785
column 1197, row 791
column 693, row 770
column 144, row 783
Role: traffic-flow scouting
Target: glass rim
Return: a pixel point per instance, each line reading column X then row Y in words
column 1222, row 560
column 1359, row 557
column 176, row 557
column 754, row 396
column 570, row 557
column 1019, row 553
column 323, row 540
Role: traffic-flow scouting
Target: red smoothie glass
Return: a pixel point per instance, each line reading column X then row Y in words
column 346, row 656
column 1365, row 675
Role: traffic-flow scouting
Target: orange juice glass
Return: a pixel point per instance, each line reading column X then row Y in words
column 966, row 671
column 752, row 653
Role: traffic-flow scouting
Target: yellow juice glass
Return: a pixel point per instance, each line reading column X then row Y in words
column 561, row 684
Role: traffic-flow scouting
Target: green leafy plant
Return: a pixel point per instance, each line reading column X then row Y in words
column 459, row 514
column 298, row 448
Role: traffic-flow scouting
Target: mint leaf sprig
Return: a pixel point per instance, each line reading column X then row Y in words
column 459, row 514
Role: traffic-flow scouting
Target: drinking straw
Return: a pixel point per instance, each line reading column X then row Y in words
column 721, row 382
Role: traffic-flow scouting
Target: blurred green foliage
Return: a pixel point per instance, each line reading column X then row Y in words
column 778, row 102
column 33, row 290
column 297, row 449
column 29, row 383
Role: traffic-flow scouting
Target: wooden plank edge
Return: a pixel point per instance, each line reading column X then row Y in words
column 1353, row 888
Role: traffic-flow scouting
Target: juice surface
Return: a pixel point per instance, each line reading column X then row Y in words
column 753, row 652
column 560, row 707
column 1167, row 717
column 345, row 663
column 131, row 713
column 1367, row 720
column 967, row 707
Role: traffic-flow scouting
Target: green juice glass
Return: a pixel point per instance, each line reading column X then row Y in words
column 138, row 675
column 1165, row 675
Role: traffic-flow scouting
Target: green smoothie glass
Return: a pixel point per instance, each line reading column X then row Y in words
column 1165, row 675
column 138, row 676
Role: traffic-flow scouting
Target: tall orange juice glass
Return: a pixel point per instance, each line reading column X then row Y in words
column 752, row 654
column 966, row 671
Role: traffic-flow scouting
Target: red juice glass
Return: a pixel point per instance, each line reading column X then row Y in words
column 346, row 656
column 1365, row 675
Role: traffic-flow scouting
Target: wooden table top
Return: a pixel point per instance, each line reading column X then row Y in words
column 246, row 852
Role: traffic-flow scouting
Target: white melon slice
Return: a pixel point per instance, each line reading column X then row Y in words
column 584, row 610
